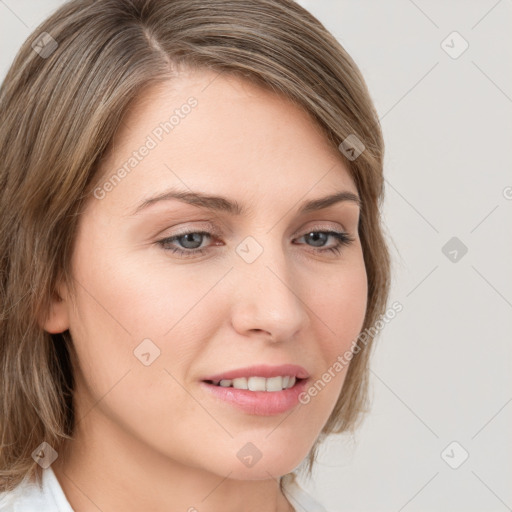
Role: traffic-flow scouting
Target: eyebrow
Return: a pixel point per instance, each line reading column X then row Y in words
column 223, row 204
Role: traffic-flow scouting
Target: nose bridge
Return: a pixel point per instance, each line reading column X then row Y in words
column 266, row 288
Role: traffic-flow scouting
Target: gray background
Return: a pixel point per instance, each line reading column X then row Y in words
column 441, row 370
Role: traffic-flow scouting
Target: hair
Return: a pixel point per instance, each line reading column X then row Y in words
column 59, row 114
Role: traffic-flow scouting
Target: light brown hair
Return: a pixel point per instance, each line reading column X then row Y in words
column 59, row 114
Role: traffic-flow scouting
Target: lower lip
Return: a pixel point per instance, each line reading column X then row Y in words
column 261, row 403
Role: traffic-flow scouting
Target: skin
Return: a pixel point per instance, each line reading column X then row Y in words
column 149, row 437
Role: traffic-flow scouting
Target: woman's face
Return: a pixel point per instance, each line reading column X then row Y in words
column 263, row 286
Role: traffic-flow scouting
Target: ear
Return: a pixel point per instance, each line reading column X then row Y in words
column 57, row 319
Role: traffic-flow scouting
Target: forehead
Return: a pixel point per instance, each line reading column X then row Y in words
column 220, row 134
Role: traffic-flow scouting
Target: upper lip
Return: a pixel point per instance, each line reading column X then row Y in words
column 262, row 370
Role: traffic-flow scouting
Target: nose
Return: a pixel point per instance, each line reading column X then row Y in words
column 267, row 296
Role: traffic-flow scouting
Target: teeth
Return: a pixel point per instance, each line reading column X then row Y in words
column 240, row 383
column 259, row 383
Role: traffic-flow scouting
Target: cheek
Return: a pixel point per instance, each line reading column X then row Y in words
column 123, row 301
column 338, row 300
column 132, row 307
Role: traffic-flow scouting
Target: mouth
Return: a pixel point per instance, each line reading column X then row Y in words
column 257, row 396
column 254, row 384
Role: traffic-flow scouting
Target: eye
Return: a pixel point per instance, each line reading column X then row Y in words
column 341, row 239
column 191, row 242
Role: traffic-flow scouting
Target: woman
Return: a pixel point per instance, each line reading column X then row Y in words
column 190, row 247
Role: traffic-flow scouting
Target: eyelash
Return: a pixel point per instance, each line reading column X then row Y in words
column 342, row 239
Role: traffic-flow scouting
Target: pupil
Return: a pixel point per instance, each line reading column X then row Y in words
column 189, row 238
column 315, row 236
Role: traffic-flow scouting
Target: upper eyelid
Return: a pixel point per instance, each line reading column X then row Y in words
column 219, row 218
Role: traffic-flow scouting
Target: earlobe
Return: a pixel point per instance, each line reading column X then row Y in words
column 57, row 319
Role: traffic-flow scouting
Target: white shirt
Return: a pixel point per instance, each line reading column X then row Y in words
column 29, row 497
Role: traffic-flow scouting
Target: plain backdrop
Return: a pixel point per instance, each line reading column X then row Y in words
column 440, row 75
